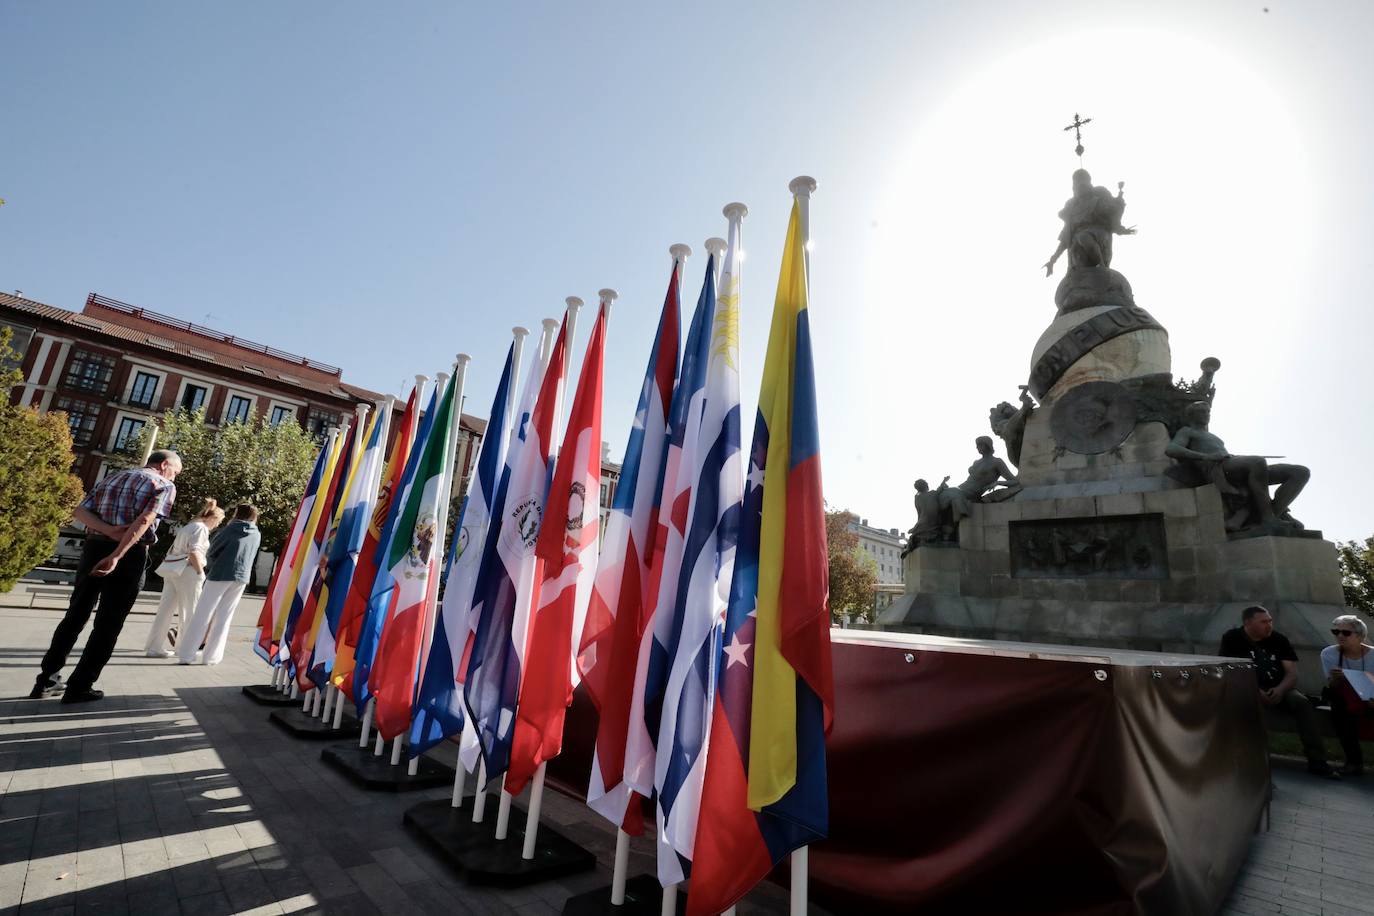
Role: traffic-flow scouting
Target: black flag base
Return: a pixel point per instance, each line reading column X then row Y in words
column 376, row 774
column 267, row 695
column 474, row 850
column 643, row 897
column 299, row 725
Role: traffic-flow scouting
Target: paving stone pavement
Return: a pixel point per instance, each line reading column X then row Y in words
column 174, row 794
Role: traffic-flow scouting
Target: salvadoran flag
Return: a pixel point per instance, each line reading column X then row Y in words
column 272, row 616
column 765, row 792
column 507, row 579
column 439, row 702
column 379, row 602
column 413, row 562
column 348, row 544
column 618, row 615
column 711, row 455
column 354, row 616
column 567, row 547
column 665, row 562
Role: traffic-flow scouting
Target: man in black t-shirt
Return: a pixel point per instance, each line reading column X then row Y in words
column 1276, row 670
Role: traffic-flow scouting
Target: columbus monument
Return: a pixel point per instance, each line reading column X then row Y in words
column 1128, row 521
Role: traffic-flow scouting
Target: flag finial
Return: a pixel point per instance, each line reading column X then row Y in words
column 715, row 246
column 680, row 252
column 735, row 211
column 802, row 186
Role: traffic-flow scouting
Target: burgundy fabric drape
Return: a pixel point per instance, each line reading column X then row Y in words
column 963, row 782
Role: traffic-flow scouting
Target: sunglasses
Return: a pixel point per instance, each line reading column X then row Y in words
column 1342, row 632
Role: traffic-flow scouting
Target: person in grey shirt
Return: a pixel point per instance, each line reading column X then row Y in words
column 229, row 564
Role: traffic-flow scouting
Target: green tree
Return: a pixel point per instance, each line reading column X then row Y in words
column 38, row 490
column 242, row 462
column 853, row 574
column 1356, row 561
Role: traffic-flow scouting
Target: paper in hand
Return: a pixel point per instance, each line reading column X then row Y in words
column 1362, row 681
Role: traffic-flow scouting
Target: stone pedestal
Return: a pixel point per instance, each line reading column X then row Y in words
column 1102, row 546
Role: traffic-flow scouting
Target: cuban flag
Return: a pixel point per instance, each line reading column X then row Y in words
column 618, row 615
column 379, row 603
column 665, row 560
column 510, row 569
column 567, row 550
column 765, row 793
column 413, row 561
column 348, row 544
column 439, row 703
column 271, row 619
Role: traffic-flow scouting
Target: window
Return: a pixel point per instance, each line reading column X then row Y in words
column 144, row 390
column 282, row 414
column 89, row 371
column 81, row 417
column 239, row 409
column 126, row 437
column 193, row 398
column 319, row 421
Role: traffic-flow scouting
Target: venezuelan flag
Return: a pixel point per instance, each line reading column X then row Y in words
column 765, row 789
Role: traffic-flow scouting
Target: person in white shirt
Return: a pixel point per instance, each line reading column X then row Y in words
column 183, row 574
column 1350, row 653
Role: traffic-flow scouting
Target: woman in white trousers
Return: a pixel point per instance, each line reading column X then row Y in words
column 182, row 573
column 231, row 559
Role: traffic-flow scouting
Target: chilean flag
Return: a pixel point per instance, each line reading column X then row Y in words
column 510, row 572
column 567, row 547
column 619, row 612
column 765, row 790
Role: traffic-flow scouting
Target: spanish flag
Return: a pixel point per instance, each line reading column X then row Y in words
column 765, row 789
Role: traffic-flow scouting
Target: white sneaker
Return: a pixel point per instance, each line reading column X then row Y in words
column 154, row 653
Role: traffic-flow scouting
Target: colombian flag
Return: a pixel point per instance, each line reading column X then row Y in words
column 765, row 789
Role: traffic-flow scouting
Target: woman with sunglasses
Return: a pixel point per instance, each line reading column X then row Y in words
column 1349, row 714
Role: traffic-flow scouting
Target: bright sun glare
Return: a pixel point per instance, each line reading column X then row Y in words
column 953, row 294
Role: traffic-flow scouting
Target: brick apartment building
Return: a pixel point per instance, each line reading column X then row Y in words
column 113, row 366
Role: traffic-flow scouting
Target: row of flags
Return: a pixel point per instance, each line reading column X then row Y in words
column 698, row 619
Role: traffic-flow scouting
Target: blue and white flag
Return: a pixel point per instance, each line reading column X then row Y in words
column 711, row 456
column 508, row 576
column 656, row 646
column 438, row 710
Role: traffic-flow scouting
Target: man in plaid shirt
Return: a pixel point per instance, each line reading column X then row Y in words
column 120, row 514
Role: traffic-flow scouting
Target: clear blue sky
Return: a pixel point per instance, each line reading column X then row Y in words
column 381, row 186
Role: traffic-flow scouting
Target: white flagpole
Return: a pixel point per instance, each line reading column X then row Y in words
column 331, row 693
column 328, row 706
column 367, row 723
column 384, row 417
column 431, row 611
column 420, row 380
column 503, row 808
column 381, row 742
column 440, row 380
column 802, row 187
column 607, row 296
column 621, row 865
column 479, row 806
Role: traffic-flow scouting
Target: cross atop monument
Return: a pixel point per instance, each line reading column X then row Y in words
column 1077, row 128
